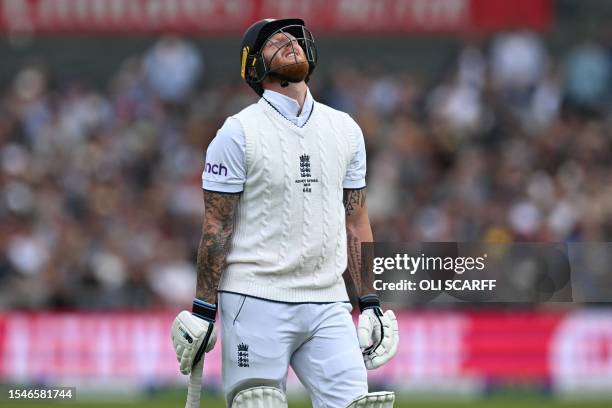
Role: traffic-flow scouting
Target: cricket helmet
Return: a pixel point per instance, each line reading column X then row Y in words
column 253, row 67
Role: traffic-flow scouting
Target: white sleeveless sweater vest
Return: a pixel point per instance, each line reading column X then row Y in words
column 289, row 241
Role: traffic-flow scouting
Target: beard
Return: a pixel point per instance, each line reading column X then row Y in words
column 291, row 71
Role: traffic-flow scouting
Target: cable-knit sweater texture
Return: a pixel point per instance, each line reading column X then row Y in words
column 289, row 241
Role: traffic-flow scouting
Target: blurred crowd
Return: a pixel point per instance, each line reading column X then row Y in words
column 100, row 193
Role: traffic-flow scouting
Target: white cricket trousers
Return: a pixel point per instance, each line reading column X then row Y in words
column 261, row 338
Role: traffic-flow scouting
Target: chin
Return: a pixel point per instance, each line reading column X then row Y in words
column 294, row 72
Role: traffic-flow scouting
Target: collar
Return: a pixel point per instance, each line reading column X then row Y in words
column 289, row 107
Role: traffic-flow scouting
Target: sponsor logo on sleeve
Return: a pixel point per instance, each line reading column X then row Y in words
column 216, row 168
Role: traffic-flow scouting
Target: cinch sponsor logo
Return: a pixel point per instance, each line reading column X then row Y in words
column 219, row 169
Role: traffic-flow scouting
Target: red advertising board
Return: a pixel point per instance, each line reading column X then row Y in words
column 463, row 351
column 203, row 17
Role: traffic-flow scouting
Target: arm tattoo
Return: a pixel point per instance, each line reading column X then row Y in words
column 218, row 226
column 357, row 278
column 353, row 199
column 354, row 262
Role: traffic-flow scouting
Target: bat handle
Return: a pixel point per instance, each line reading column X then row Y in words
column 195, row 385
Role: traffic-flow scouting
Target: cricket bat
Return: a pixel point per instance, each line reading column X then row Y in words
column 195, row 385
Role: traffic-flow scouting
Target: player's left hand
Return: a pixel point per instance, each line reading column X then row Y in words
column 377, row 332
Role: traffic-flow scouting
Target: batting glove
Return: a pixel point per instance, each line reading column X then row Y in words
column 377, row 332
column 193, row 334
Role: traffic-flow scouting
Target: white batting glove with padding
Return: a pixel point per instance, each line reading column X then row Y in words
column 377, row 332
column 193, row 334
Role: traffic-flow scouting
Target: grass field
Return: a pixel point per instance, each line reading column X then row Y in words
column 176, row 400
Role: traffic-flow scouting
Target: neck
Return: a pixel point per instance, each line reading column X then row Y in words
column 295, row 90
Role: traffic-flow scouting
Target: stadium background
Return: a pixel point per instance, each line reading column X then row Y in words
column 484, row 121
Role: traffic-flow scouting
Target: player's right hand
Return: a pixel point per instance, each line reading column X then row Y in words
column 193, row 334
